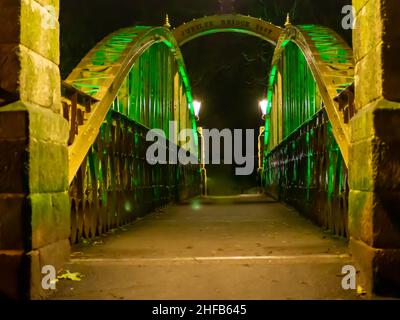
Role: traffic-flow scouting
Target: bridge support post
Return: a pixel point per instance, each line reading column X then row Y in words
column 34, row 203
column 374, row 161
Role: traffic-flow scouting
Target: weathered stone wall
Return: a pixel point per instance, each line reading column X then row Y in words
column 374, row 163
column 34, row 203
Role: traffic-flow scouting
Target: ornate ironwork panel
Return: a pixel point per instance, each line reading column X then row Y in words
column 115, row 184
column 307, row 171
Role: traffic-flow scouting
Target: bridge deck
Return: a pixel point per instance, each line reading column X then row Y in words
column 247, row 247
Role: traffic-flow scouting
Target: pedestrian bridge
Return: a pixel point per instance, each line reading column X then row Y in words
column 135, row 80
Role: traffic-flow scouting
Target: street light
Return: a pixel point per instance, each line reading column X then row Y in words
column 263, row 106
column 196, row 108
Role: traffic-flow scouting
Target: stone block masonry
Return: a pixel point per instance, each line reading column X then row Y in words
column 374, row 166
column 34, row 201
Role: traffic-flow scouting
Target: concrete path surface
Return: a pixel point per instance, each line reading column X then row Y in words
column 245, row 247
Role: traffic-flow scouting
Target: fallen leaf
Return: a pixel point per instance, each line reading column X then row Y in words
column 74, row 276
column 361, row 291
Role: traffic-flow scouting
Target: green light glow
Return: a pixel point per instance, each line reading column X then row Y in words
column 147, row 94
column 328, row 45
column 270, row 94
column 108, row 53
column 128, row 206
column 267, row 133
column 302, row 161
column 196, row 205
column 301, row 99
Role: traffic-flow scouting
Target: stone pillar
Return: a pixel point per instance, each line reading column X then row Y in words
column 34, row 203
column 374, row 162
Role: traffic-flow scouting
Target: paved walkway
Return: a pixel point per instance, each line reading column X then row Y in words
column 246, row 247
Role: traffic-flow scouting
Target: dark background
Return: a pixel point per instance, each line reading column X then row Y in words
column 228, row 72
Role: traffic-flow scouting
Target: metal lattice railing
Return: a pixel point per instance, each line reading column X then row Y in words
column 132, row 81
column 307, row 171
column 115, row 184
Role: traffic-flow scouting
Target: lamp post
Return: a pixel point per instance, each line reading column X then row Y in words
column 196, row 109
column 263, row 104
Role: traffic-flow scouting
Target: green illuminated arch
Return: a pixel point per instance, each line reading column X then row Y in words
column 321, row 66
column 111, row 71
column 326, row 57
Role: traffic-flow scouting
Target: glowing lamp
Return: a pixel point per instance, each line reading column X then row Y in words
column 196, row 108
column 263, row 106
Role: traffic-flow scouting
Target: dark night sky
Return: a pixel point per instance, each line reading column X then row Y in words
column 227, row 71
